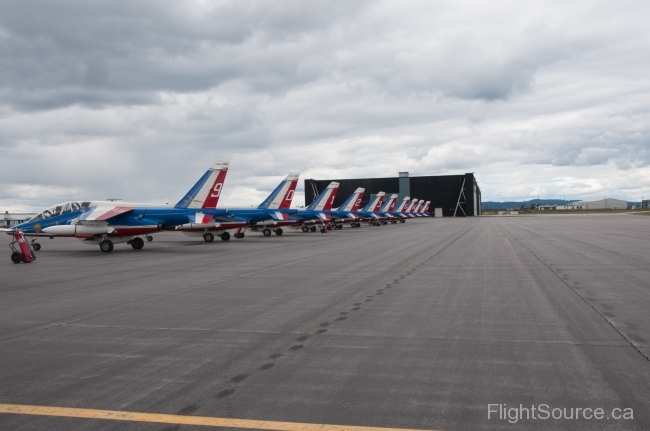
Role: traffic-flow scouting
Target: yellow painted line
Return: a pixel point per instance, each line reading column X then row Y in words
column 117, row 415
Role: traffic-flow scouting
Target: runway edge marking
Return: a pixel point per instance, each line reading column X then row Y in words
column 70, row 412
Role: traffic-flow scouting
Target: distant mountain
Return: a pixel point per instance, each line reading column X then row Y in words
column 489, row 205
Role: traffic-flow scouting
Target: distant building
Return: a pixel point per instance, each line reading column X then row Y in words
column 601, row 204
column 645, row 204
column 546, row 207
column 12, row 219
column 450, row 195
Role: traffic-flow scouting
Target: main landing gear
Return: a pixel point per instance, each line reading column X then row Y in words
column 312, row 229
column 266, row 232
column 106, row 245
column 137, row 243
column 278, row 231
column 225, row 236
column 208, row 237
column 305, row 229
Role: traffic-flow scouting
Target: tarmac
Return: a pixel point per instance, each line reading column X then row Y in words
column 420, row 325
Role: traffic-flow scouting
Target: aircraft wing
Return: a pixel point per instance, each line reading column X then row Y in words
column 103, row 212
column 279, row 216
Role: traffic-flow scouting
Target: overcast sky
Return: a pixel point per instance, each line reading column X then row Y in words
column 135, row 100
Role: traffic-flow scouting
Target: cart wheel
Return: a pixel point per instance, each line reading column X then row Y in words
column 16, row 257
column 36, row 246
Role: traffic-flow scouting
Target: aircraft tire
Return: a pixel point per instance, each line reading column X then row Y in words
column 36, row 246
column 137, row 243
column 16, row 257
column 393, row 221
column 305, row 229
column 267, row 232
column 208, row 237
column 313, row 228
column 402, row 221
column 106, row 246
column 225, row 236
column 149, row 238
column 339, row 226
column 279, row 231
column 323, row 230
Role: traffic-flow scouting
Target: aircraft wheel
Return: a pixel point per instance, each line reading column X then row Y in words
column 239, row 235
column 106, row 246
column 339, row 226
column 149, row 238
column 402, row 221
column 225, row 236
column 137, row 243
column 305, row 229
column 323, row 230
column 278, row 231
column 36, row 246
column 267, row 232
column 313, row 228
column 16, row 257
column 208, row 237
column 393, row 221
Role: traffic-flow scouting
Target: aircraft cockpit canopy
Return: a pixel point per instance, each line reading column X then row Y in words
column 56, row 210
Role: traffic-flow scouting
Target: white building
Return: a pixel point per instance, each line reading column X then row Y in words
column 601, row 204
column 12, row 219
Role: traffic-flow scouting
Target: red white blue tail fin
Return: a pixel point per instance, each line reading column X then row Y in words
column 375, row 203
column 419, row 207
column 426, row 207
column 282, row 196
column 403, row 205
column 353, row 202
column 323, row 202
column 412, row 206
column 390, row 204
column 206, row 192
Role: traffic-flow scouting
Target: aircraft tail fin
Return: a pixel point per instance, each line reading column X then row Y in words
column 390, row 204
column 282, row 196
column 402, row 205
column 374, row 203
column 325, row 199
column 206, row 191
column 352, row 203
column 411, row 207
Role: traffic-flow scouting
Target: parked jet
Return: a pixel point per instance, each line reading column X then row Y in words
column 409, row 210
column 317, row 213
column 205, row 195
column 272, row 214
column 399, row 211
column 424, row 211
column 369, row 212
column 105, row 223
column 345, row 213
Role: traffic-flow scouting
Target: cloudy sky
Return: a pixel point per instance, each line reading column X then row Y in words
column 134, row 100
